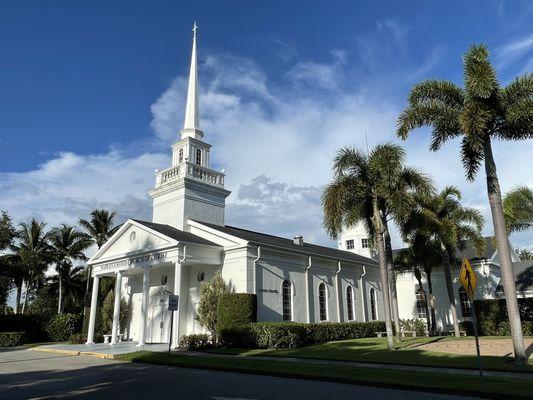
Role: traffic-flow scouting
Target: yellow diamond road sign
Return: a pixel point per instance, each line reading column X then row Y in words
column 468, row 278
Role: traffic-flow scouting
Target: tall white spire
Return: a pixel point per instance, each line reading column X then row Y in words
column 191, row 127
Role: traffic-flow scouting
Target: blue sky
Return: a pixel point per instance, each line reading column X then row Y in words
column 92, row 96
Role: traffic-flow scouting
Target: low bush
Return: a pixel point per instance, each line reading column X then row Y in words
column 78, row 338
column 63, row 326
column 467, row 326
column 196, row 342
column 416, row 325
column 277, row 335
column 11, row 339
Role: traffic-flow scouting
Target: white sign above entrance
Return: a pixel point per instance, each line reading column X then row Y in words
column 133, row 262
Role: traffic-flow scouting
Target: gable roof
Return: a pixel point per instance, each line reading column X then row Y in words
column 277, row 241
column 175, row 233
column 523, row 272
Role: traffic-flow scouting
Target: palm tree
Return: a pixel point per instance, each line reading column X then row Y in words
column 518, row 209
column 478, row 113
column 68, row 245
column 100, row 228
column 14, row 270
column 72, row 286
column 33, row 253
column 451, row 226
column 371, row 188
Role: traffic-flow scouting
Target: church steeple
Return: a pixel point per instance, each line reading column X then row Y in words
column 190, row 189
column 191, row 126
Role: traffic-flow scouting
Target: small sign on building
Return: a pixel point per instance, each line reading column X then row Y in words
column 173, row 301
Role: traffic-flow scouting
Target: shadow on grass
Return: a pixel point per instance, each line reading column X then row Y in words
column 374, row 350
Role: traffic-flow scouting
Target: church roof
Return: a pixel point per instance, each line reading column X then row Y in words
column 277, row 241
column 523, row 272
column 175, row 233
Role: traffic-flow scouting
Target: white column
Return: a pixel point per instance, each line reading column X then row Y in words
column 177, row 290
column 92, row 316
column 116, row 309
column 144, row 306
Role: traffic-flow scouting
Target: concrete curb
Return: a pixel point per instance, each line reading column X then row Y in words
column 75, row 353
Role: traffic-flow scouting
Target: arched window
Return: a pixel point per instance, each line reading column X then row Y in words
column 286, row 290
column 180, row 155
column 198, row 157
column 373, row 305
column 323, row 302
column 466, row 307
column 421, row 303
column 350, row 302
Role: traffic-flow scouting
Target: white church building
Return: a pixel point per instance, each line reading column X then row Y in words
column 187, row 243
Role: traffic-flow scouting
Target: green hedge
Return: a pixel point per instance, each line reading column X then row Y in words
column 492, row 317
column 10, row 339
column 63, row 326
column 32, row 324
column 236, row 309
column 277, row 335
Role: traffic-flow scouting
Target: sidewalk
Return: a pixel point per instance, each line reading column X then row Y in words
column 399, row 367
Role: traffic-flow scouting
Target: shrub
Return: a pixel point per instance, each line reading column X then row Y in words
column 107, row 311
column 492, row 316
column 63, row 326
column 276, row 335
column 416, row 325
column 78, row 338
column 207, row 307
column 11, row 339
column 32, row 324
column 195, row 342
column 236, row 309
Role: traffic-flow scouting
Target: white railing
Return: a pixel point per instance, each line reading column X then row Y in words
column 189, row 170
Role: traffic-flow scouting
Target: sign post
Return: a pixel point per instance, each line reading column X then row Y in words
column 468, row 279
column 173, row 301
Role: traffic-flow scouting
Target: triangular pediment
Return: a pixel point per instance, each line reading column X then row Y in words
column 130, row 239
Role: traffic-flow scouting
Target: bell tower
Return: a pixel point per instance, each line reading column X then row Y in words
column 190, row 189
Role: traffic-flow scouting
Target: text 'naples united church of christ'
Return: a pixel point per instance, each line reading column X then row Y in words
column 187, row 244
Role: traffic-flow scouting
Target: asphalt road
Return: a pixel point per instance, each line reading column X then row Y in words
column 26, row 374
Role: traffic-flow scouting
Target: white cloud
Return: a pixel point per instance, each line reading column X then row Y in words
column 519, row 50
column 275, row 139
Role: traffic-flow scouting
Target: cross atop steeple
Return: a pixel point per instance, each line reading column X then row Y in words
column 191, row 126
column 194, row 28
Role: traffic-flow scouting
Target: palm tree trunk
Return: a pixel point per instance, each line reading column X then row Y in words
column 504, row 252
column 25, row 297
column 60, row 297
column 379, row 229
column 392, row 282
column 431, row 305
column 17, row 298
column 447, row 258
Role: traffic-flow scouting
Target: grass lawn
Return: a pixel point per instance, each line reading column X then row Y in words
column 375, row 350
column 491, row 387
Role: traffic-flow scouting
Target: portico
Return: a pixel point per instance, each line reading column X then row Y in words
column 149, row 262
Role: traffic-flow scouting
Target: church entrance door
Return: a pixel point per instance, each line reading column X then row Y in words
column 159, row 318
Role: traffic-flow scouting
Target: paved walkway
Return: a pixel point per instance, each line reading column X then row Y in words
column 488, row 347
